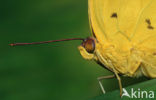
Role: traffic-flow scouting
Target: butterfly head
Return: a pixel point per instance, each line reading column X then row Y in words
column 87, row 48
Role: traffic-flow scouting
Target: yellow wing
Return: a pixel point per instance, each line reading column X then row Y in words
column 145, row 38
column 144, row 34
column 119, row 21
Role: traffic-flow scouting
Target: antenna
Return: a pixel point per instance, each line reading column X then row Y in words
column 44, row 42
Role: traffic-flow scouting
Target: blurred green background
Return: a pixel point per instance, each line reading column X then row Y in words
column 53, row 71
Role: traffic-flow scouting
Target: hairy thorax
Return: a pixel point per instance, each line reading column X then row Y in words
column 125, row 61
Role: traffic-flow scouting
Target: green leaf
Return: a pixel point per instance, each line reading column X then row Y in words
column 138, row 90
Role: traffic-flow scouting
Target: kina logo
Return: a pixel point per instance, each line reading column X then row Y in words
column 138, row 93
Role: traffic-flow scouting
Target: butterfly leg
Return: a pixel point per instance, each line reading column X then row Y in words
column 119, row 80
column 101, row 78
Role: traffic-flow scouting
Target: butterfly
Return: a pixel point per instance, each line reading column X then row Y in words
column 123, row 34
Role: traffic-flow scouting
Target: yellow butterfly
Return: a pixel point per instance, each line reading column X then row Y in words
column 123, row 37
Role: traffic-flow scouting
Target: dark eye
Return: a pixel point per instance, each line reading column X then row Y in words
column 89, row 45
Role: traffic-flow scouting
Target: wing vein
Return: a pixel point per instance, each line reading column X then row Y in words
column 137, row 23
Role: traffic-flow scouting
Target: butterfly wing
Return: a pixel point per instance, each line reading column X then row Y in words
column 145, row 30
column 115, row 20
column 145, row 38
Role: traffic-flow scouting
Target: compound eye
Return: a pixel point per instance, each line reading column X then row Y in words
column 89, row 45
